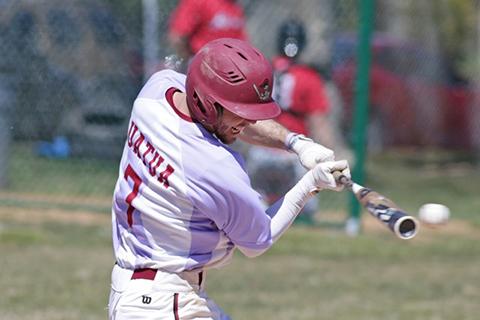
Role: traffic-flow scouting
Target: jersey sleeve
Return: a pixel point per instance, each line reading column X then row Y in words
column 230, row 202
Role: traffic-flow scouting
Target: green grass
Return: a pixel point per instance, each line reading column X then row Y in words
column 79, row 177
column 310, row 275
column 54, row 271
column 417, row 177
column 60, row 270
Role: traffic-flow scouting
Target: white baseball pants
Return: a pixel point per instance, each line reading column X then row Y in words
column 160, row 296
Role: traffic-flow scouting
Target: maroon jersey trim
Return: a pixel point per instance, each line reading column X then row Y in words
column 169, row 96
column 175, row 306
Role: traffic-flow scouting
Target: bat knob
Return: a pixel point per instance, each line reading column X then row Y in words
column 341, row 178
column 338, row 175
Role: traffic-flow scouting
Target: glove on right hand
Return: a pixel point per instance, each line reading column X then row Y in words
column 321, row 177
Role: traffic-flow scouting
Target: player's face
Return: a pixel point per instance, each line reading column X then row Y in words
column 231, row 126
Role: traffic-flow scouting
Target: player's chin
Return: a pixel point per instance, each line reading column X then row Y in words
column 227, row 139
column 227, row 135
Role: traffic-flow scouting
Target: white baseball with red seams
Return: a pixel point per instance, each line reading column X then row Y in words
column 434, row 213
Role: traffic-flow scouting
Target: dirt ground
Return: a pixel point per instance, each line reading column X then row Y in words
column 426, row 232
column 37, row 209
column 34, row 208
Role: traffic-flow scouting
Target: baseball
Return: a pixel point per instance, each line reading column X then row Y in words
column 434, row 213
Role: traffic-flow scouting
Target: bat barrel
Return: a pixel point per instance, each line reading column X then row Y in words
column 405, row 227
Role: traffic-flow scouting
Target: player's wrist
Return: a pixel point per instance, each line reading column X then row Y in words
column 309, row 184
column 292, row 139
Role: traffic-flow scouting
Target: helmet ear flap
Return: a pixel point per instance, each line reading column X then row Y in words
column 208, row 113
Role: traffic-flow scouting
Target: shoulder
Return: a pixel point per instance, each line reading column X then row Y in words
column 158, row 84
column 307, row 74
column 210, row 164
column 216, row 177
column 167, row 75
column 210, row 161
column 284, row 64
column 306, row 69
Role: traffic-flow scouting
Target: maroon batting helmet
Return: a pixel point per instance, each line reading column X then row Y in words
column 232, row 74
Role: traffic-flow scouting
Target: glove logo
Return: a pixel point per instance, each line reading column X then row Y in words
column 263, row 92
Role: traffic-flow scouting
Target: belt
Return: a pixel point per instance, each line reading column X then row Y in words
column 145, row 273
column 149, row 274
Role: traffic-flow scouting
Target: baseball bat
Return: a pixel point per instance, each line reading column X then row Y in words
column 402, row 224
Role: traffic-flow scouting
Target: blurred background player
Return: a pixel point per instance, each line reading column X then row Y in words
column 193, row 23
column 302, row 94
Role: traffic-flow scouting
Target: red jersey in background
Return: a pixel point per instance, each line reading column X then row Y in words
column 205, row 20
column 300, row 91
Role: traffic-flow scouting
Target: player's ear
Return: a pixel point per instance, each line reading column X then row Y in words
column 219, row 108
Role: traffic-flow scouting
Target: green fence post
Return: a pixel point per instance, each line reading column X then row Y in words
column 361, row 108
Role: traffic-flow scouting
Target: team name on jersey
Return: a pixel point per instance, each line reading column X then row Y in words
column 147, row 153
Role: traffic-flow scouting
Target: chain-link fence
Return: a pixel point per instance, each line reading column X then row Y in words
column 69, row 71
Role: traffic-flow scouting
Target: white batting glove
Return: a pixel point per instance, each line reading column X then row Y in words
column 321, row 177
column 309, row 152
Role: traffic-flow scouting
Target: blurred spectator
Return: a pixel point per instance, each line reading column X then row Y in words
column 193, row 23
column 302, row 94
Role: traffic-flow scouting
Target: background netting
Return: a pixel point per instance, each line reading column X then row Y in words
column 69, row 71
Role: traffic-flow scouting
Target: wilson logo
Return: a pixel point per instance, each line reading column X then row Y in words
column 146, row 299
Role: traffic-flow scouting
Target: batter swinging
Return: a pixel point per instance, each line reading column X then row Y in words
column 183, row 201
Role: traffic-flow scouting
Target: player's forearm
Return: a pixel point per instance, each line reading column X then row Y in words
column 287, row 208
column 267, row 133
column 284, row 211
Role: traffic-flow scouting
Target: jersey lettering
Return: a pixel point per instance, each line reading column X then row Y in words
column 150, row 149
column 164, row 176
column 150, row 156
column 131, row 133
column 153, row 167
column 137, row 143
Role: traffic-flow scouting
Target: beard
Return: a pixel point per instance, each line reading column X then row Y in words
column 225, row 138
column 225, row 134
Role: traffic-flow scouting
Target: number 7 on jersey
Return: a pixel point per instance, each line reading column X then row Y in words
column 137, row 181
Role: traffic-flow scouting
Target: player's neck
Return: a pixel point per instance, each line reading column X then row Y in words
column 180, row 102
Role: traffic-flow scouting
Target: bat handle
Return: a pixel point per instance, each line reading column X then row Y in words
column 341, row 178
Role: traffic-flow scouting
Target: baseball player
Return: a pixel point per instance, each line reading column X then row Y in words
column 193, row 23
column 183, row 201
column 300, row 92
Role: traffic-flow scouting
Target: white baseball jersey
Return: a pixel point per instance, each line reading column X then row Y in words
column 183, row 200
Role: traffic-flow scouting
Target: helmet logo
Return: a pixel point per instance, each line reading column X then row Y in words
column 264, row 92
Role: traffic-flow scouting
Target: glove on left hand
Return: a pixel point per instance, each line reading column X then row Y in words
column 309, row 152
